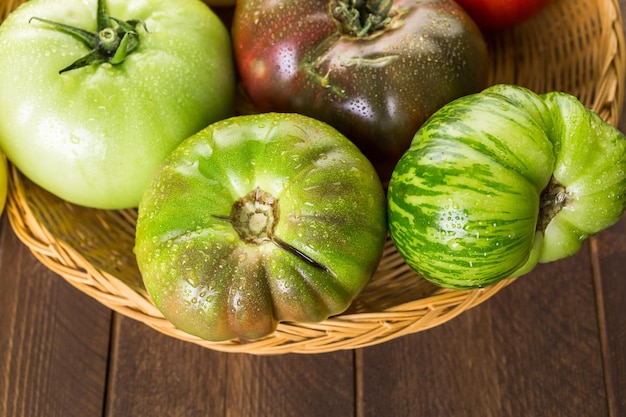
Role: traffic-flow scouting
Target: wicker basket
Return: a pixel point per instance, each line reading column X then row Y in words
column 575, row 46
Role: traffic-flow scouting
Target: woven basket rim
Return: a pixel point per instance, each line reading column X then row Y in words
column 347, row 331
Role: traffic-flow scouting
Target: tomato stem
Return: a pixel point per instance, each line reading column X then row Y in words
column 553, row 198
column 113, row 41
column 255, row 217
column 361, row 18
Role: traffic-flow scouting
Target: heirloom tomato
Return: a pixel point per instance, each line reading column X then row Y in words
column 375, row 70
column 93, row 96
column 498, row 181
column 260, row 219
column 500, row 14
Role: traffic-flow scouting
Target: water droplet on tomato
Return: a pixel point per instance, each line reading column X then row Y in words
column 454, row 245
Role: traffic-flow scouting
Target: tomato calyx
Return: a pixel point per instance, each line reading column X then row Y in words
column 553, row 198
column 113, row 41
column 361, row 18
column 255, row 217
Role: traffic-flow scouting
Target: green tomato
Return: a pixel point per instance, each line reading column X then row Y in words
column 498, row 181
column 93, row 130
column 256, row 220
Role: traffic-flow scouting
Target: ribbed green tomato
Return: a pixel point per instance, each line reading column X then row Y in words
column 498, row 181
column 256, row 220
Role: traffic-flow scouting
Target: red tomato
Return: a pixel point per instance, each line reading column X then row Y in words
column 500, row 14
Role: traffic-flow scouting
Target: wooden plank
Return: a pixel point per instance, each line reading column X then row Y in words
column 533, row 349
column 53, row 340
column 292, row 385
column 609, row 254
column 153, row 374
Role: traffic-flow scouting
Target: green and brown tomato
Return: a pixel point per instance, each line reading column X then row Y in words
column 95, row 95
column 498, row 181
column 375, row 70
column 256, row 220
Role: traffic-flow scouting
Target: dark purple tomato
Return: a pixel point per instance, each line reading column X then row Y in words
column 375, row 70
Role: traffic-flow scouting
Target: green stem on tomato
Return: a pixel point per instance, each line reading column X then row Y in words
column 361, row 18
column 113, row 41
column 255, row 217
column 553, row 198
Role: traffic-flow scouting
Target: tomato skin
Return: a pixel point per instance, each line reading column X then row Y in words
column 500, row 14
column 499, row 181
column 378, row 89
column 95, row 135
column 211, row 282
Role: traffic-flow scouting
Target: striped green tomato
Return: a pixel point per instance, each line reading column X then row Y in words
column 256, row 220
column 499, row 181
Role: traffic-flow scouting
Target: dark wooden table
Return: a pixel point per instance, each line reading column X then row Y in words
column 551, row 344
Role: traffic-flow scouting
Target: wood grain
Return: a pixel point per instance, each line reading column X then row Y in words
column 610, row 261
column 53, row 340
column 292, row 385
column 155, row 375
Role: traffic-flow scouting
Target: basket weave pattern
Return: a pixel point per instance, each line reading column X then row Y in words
column 574, row 46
